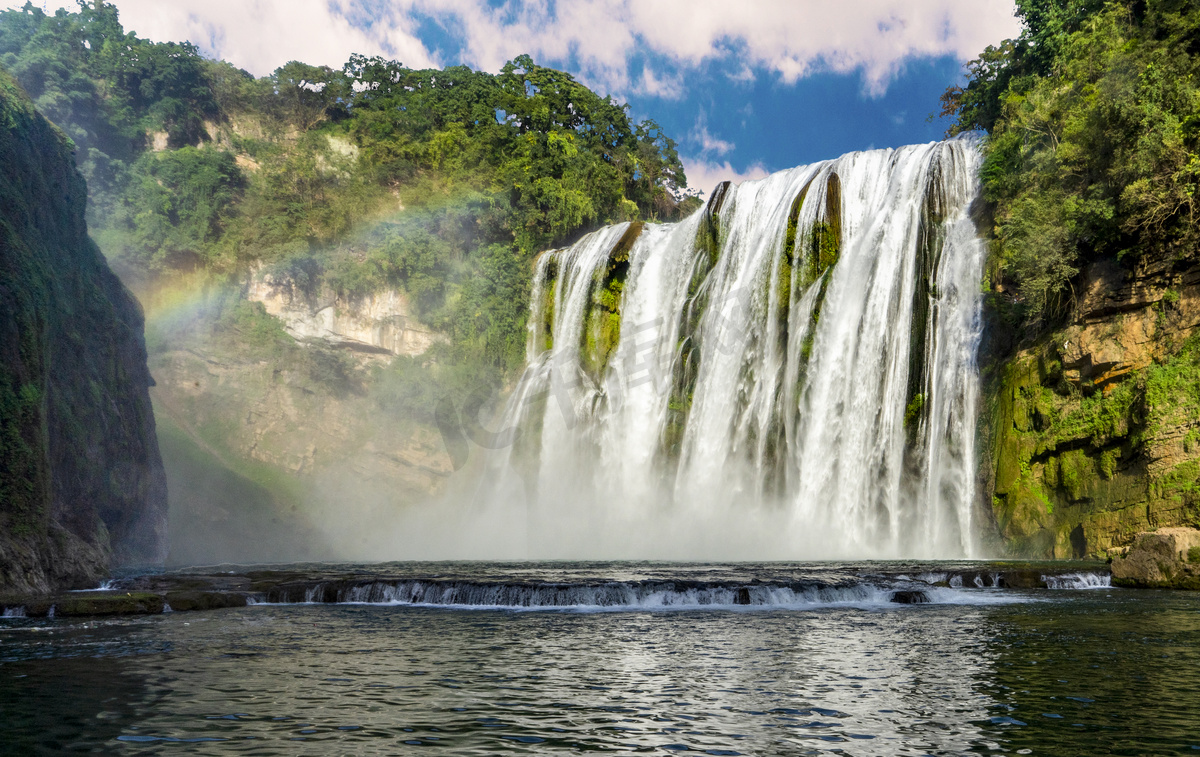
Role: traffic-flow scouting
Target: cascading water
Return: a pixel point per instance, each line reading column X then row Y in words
column 788, row 373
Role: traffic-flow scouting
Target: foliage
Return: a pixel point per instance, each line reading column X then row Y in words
column 106, row 88
column 1094, row 143
column 444, row 182
column 179, row 202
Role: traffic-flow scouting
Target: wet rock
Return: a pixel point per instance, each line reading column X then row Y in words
column 187, row 601
column 910, row 597
column 108, row 603
column 743, row 596
column 1168, row 558
column 1022, row 579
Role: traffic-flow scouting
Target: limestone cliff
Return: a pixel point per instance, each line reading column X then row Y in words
column 1095, row 430
column 81, row 481
column 282, row 443
column 381, row 322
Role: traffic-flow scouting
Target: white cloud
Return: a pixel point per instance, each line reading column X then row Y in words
column 704, row 175
column 708, row 143
column 789, row 38
column 261, row 35
column 668, row 87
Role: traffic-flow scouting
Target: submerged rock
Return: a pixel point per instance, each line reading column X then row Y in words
column 910, row 597
column 1168, row 558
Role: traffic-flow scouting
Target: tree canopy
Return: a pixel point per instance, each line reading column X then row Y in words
column 1093, row 146
column 445, row 182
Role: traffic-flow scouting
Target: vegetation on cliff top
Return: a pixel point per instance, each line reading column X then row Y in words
column 1093, row 151
column 194, row 163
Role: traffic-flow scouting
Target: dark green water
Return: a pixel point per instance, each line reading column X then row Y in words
column 1043, row 672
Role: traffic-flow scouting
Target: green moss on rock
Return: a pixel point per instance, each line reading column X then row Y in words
column 190, row 601
column 1078, row 470
column 602, row 325
column 133, row 603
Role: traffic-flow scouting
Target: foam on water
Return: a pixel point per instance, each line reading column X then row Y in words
column 629, row 596
column 1079, row 581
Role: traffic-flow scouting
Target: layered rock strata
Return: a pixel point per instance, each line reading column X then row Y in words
column 1095, row 432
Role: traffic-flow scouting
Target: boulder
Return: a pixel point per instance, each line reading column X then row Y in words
column 913, row 597
column 1168, row 558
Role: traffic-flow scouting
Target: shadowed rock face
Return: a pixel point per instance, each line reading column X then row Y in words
column 81, row 480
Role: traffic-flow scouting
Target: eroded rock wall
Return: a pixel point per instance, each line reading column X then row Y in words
column 382, row 322
column 1095, row 432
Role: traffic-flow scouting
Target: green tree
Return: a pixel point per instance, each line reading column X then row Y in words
column 1093, row 149
column 179, row 203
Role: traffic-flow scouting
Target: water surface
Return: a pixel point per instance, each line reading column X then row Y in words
column 1067, row 672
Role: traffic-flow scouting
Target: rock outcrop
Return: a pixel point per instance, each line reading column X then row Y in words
column 382, row 322
column 1168, row 558
column 1095, row 432
column 81, row 480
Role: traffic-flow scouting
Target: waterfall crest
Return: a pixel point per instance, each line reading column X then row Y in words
column 788, row 373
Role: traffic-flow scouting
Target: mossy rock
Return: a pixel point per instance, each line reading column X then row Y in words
column 1022, row 579
column 108, row 603
column 189, row 601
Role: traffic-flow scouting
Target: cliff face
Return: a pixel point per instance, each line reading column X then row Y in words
column 1095, row 431
column 304, row 425
column 382, row 322
column 81, row 481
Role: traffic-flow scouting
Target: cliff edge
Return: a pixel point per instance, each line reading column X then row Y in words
column 81, row 481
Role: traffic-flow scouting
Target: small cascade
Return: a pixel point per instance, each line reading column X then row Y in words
column 637, row 595
column 1079, row 581
column 788, row 373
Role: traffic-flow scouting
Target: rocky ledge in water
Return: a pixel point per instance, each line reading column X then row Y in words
column 1168, row 558
column 211, row 590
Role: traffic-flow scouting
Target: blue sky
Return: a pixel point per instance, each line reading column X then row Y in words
column 768, row 124
column 743, row 88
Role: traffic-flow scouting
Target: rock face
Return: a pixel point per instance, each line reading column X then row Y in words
column 381, row 322
column 1095, row 432
column 1168, row 558
column 81, row 481
column 333, row 451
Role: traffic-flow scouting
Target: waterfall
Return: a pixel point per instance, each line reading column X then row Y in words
column 788, row 373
